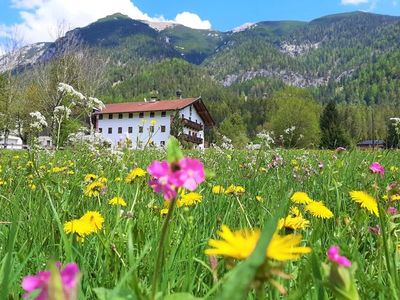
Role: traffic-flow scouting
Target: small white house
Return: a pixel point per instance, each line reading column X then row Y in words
column 138, row 124
column 13, row 142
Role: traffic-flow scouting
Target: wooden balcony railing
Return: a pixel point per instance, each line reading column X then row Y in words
column 192, row 139
column 191, row 124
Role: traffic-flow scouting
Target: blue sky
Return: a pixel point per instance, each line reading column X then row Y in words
column 35, row 20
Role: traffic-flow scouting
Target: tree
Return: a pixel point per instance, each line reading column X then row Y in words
column 393, row 138
column 332, row 133
column 294, row 118
column 234, row 128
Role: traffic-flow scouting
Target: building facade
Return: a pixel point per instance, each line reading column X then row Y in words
column 140, row 124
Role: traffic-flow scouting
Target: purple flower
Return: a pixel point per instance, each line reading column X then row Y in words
column 374, row 229
column 392, row 210
column 333, row 256
column 168, row 177
column 377, row 168
column 40, row 281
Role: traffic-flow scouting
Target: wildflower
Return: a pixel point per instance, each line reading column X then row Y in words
column 58, row 169
column 90, row 177
column 240, row 244
column 32, row 186
column 94, row 189
column 293, row 222
column 69, row 277
column 191, row 173
column 235, row 189
column 319, row 210
column 164, row 211
column 153, row 122
column 218, row 189
column 394, row 169
column 94, row 219
column 375, row 229
column 117, row 201
column 301, row 198
column 365, row 201
column 260, row 199
column 392, row 210
column 118, row 179
column 377, row 168
column 189, row 199
column 333, row 256
column 168, row 177
column 137, row 172
column 78, row 226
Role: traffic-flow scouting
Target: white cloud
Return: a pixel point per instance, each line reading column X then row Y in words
column 354, row 2
column 192, row 20
column 40, row 17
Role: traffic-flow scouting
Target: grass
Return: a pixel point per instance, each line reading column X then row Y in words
column 123, row 254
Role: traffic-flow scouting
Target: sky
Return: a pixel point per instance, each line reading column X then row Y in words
column 37, row 20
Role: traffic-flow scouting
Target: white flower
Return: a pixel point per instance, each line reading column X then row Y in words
column 62, row 111
column 38, row 120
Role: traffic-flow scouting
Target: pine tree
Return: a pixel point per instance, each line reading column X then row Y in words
column 332, row 133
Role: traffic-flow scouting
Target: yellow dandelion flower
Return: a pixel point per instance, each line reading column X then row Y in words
column 294, row 210
column 164, row 211
column 94, row 219
column 260, row 199
column 240, row 244
column 117, row 201
column 71, row 172
column 32, row 186
column 293, row 222
column 319, row 210
column 235, row 189
column 102, row 180
column 58, row 169
column 137, row 172
column 189, row 199
column 365, row 201
column 90, row 177
column 94, row 189
column 78, row 226
column 301, row 198
column 153, row 122
column 394, row 169
column 218, row 189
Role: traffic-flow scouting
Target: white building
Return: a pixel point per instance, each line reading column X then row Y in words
column 13, row 142
column 152, row 122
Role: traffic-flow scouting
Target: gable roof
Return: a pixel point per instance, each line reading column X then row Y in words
column 160, row 105
column 371, row 142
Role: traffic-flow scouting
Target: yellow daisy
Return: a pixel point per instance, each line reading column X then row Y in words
column 79, row 227
column 117, row 201
column 189, row 199
column 137, row 172
column 94, row 219
column 94, row 189
column 365, row 201
column 319, row 210
column 240, row 244
column 301, row 198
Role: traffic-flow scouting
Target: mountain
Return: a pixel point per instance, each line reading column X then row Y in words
column 323, row 53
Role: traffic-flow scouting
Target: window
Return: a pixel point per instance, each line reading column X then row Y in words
column 190, row 133
column 183, row 116
column 162, row 128
column 162, row 143
column 190, row 109
column 140, row 129
column 100, row 130
column 151, row 129
column 141, row 115
column 130, row 115
column 152, row 115
column 163, row 114
column 100, row 117
column 120, row 116
column 109, row 130
column 110, row 116
column 119, row 129
column 130, row 129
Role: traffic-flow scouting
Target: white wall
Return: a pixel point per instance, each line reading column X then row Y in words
column 13, row 142
column 135, row 122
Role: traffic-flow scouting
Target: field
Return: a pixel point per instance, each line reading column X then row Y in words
column 40, row 192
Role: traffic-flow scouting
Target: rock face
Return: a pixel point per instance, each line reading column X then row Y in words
column 295, row 50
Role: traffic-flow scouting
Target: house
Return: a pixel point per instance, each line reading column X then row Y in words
column 367, row 144
column 13, row 142
column 152, row 122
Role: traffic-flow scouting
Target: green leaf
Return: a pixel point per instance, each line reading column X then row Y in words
column 241, row 277
column 174, row 152
column 119, row 294
column 209, row 174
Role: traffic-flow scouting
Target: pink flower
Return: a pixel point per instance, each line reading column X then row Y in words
column 375, row 229
column 168, row 177
column 340, row 149
column 333, row 256
column 40, row 281
column 191, row 173
column 377, row 168
column 392, row 210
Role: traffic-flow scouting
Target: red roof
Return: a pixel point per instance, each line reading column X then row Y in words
column 147, row 106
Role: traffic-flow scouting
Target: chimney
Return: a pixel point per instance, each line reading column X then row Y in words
column 179, row 94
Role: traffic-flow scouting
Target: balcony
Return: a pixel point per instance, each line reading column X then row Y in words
column 192, row 139
column 191, row 124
